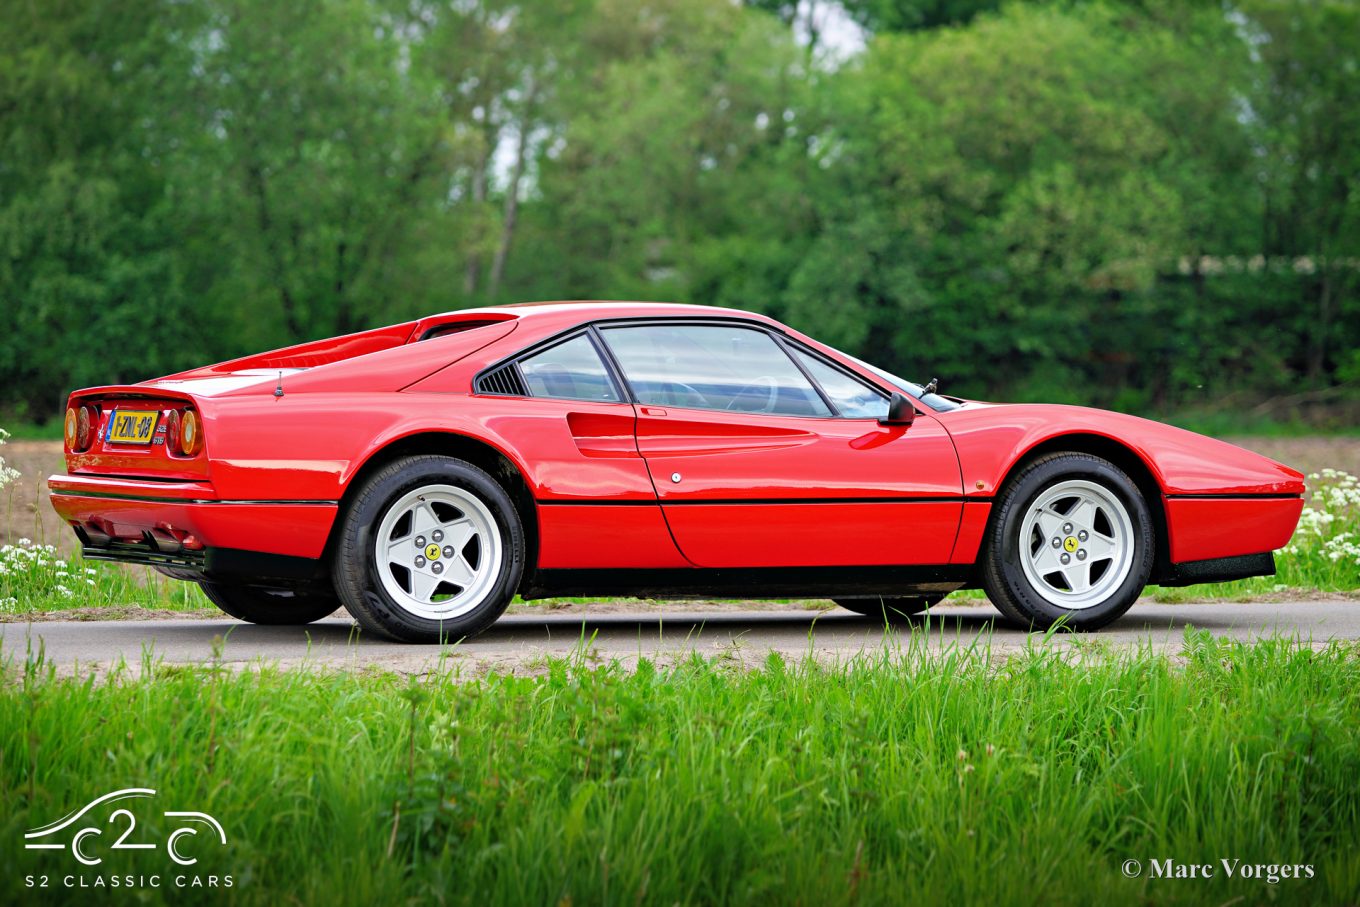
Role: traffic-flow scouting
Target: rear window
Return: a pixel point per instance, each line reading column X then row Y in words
column 571, row 370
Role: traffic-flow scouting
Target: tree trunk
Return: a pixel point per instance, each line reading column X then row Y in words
column 473, row 273
column 526, row 126
column 265, row 222
column 1317, row 354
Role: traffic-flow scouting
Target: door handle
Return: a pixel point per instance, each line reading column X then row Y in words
column 653, row 411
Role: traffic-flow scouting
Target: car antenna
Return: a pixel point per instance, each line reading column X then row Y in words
column 278, row 388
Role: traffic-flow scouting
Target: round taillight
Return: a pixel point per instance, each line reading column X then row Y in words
column 172, row 429
column 84, row 429
column 69, row 428
column 190, row 433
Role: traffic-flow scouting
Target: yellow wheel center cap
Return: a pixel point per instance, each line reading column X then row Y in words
column 1070, row 543
column 432, row 551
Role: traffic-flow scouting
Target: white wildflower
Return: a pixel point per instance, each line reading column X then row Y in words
column 7, row 473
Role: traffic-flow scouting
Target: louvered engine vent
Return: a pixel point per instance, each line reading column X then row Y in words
column 504, row 381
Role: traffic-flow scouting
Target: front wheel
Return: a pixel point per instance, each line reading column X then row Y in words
column 431, row 550
column 269, row 607
column 889, row 609
column 1071, row 541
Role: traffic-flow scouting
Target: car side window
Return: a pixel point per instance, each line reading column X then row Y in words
column 571, row 370
column 721, row 367
column 854, row 398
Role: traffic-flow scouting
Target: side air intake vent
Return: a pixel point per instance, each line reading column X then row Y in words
column 504, row 381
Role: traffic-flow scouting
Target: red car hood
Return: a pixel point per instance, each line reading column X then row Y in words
column 991, row 436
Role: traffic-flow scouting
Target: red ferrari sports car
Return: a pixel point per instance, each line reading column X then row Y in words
column 422, row 474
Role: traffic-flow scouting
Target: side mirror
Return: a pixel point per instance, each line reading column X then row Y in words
column 900, row 411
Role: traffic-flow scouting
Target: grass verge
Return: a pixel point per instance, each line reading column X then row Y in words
column 34, row 578
column 910, row 777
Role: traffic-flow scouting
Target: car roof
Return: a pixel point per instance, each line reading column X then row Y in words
column 578, row 311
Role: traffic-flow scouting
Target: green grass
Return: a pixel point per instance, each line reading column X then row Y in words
column 908, row 777
column 51, row 430
column 34, row 579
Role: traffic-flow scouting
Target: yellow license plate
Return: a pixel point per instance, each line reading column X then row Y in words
column 132, row 426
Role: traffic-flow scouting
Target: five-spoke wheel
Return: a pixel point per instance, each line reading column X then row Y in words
column 1070, row 541
column 1076, row 542
column 431, row 550
column 438, row 550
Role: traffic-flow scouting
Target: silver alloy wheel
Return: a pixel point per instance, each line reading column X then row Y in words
column 1076, row 544
column 438, row 552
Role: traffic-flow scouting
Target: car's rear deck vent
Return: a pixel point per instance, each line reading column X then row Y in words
column 504, row 381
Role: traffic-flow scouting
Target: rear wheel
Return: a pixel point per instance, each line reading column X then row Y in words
column 1071, row 540
column 431, row 550
column 273, row 607
column 889, row 609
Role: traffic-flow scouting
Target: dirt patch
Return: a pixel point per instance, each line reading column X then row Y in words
column 95, row 614
column 25, row 511
column 1308, row 454
column 1283, row 597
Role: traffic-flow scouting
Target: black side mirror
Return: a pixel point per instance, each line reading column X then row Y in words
column 900, row 411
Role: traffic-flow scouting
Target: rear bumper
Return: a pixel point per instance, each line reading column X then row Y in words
column 131, row 520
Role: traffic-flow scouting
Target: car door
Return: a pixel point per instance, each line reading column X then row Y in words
column 755, row 465
column 596, row 507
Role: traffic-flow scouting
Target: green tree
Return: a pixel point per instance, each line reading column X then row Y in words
column 314, row 166
column 1039, row 171
column 678, row 172
column 909, row 15
column 1304, row 103
column 88, row 291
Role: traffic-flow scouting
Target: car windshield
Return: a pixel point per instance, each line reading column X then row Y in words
column 934, row 401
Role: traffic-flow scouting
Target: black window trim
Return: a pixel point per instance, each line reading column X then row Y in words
column 788, row 346
column 836, row 366
column 594, row 330
column 776, row 336
column 623, row 392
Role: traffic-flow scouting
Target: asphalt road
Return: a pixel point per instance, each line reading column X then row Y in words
column 523, row 642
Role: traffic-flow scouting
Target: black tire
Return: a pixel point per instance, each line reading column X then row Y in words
column 270, row 607
column 891, row 610
column 356, row 570
column 1003, row 576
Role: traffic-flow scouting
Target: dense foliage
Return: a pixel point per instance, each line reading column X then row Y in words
column 1145, row 204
